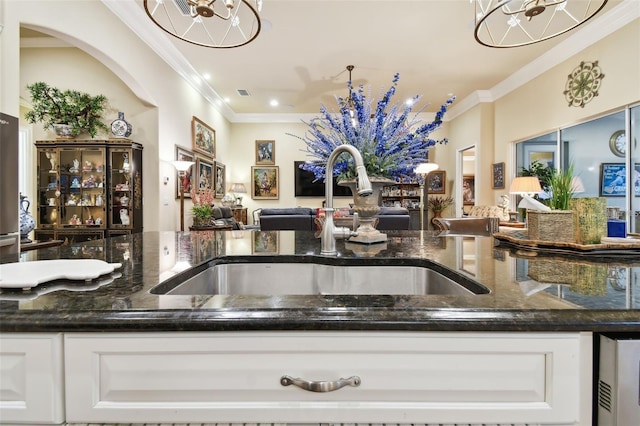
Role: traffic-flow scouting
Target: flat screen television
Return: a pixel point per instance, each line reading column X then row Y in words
column 306, row 187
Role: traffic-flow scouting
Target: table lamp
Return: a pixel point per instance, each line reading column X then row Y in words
column 238, row 188
column 182, row 167
column 423, row 170
column 527, row 187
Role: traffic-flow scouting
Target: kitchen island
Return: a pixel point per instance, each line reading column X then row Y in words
column 520, row 353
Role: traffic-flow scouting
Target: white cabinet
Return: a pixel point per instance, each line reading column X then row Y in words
column 31, row 378
column 542, row 378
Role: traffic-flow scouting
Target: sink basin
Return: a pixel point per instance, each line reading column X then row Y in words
column 289, row 278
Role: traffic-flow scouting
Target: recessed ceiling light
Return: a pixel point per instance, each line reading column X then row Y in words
column 206, row 76
column 273, row 103
column 227, row 100
column 409, row 102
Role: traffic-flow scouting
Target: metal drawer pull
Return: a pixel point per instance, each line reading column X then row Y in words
column 312, row 386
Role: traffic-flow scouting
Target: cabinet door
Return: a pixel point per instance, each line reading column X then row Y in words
column 82, row 187
column 404, row 377
column 48, row 188
column 31, row 388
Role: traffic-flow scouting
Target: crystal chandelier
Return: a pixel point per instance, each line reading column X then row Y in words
column 220, row 24
column 513, row 23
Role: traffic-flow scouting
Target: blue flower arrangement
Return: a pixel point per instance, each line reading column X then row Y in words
column 391, row 142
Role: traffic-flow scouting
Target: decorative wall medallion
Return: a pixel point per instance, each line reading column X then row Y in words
column 583, row 84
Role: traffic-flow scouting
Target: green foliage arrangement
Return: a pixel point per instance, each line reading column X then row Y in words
column 438, row 204
column 561, row 189
column 202, row 208
column 79, row 110
column 542, row 172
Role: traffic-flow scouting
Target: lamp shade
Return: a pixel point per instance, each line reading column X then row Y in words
column 238, row 188
column 525, row 185
column 426, row 168
column 577, row 186
column 182, row 166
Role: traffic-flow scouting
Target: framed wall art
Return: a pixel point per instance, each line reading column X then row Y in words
column 468, row 190
column 265, row 152
column 265, row 242
column 498, row 176
column 613, row 180
column 436, row 181
column 220, row 182
column 203, row 137
column 187, row 183
column 204, row 170
column 264, row 182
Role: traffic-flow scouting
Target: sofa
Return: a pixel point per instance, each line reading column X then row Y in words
column 489, row 211
column 303, row 219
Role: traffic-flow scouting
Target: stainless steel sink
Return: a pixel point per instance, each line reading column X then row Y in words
column 312, row 278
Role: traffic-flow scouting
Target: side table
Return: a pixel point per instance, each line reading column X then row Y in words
column 240, row 214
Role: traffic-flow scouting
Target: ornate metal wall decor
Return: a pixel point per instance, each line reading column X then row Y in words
column 583, row 84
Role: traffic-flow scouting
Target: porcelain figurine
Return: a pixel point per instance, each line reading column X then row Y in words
column 124, row 200
column 51, row 156
column 126, row 167
column 124, row 216
column 76, row 166
column 75, row 182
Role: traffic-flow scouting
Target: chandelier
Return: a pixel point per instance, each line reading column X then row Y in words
column 220, row 24
column 513, row 23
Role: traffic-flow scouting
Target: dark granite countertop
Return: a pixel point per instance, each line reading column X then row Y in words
column 528, row 292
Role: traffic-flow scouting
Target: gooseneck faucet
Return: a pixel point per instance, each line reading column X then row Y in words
column 329, row 231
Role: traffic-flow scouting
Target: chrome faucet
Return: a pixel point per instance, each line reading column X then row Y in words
column 329, row 231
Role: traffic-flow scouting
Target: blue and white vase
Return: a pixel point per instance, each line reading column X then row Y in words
column 26, row 220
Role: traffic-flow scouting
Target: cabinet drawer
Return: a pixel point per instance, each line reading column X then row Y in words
column 404, row 377
column 31, row 388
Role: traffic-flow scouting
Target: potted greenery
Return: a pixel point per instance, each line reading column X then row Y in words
column 77, row 111
column 437, row 204
column 202, row 208
column 556, row 224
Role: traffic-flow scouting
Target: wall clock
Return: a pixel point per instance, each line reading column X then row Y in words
column 618, row 143
column 583, row 84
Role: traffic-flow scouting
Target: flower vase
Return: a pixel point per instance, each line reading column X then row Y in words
column 27, row 224
column 367, row 208
column 436, row 214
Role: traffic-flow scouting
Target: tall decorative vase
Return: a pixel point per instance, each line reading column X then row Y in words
column 589, row 219
column 367, row 208
column 26, row 220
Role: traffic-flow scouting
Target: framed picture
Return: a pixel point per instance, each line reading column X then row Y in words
column 468, row 190
column 613, row 180
column 220, row 182
column 264, row 242
column 203, row 138
column 265, row 152
column 436, row 181
column 187, row 183
column 544, row 154
column 264, row 182
column 204, row 170
column 498, row 176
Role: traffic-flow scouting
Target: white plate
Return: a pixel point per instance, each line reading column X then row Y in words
column 30, row 274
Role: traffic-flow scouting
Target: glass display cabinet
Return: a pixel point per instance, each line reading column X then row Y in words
column 88, row 189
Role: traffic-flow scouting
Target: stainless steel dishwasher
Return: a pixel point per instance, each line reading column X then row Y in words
column 619, row 381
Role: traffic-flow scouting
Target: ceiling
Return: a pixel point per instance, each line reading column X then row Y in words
column 301, row 54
